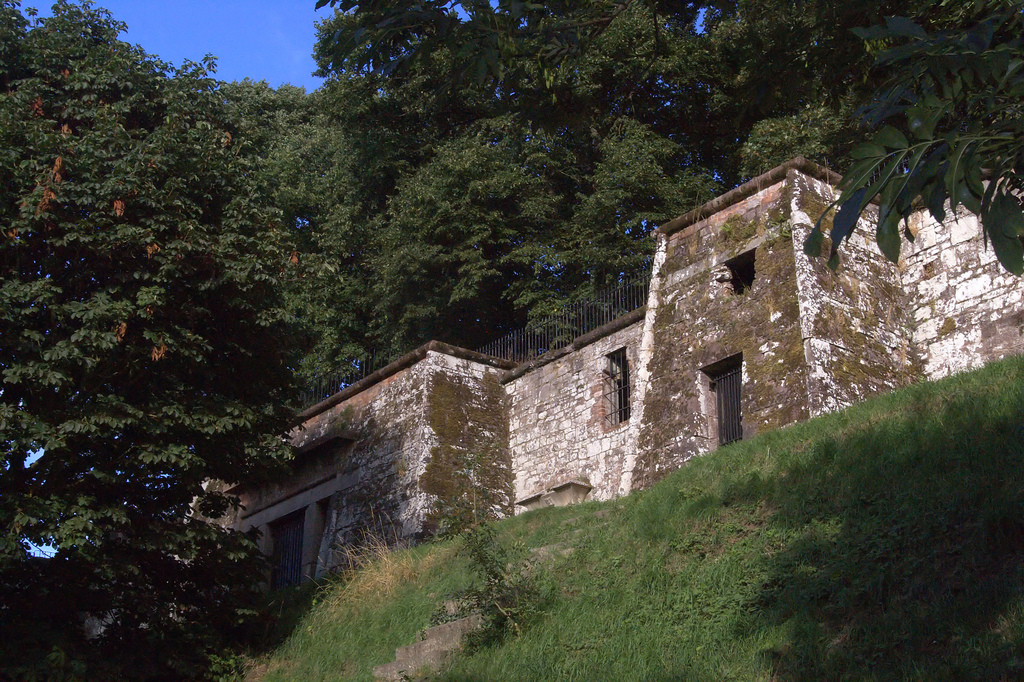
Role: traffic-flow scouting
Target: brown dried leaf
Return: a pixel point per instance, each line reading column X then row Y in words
column 65, row 130
column 295, row 257
column 120, row 330
column 227, row 138
column 158, row 354
column 37, row 107
column 44, row 203
column 152, row 249
column 118, row 208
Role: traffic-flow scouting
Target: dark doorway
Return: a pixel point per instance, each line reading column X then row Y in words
column 286, row 566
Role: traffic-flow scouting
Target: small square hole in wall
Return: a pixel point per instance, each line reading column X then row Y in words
column 742, row 270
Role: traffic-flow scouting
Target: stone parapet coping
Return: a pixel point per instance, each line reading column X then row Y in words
column 747, row 189
column 577, row 343
column 404, row 362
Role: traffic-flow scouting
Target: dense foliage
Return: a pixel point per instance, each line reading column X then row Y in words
column 142, row 352
column 950, row 131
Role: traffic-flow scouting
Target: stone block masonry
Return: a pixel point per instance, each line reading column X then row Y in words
column 966, row 309
column 366, row 458
column 725, row 301
column 561, row 425
column 742, row 333
column 854, row 321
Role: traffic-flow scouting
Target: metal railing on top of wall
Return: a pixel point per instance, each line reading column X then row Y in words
column 543, row 335
column 326, row 385
column 573, row 320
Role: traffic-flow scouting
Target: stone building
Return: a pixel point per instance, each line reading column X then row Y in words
column 741, row 333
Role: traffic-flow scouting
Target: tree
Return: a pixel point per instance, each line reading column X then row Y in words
column 950, row 125
column 143, row 349
column 471, row 217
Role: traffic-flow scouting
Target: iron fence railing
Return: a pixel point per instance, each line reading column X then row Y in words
column 573, row 320
column 326, row 385
column 543, row 335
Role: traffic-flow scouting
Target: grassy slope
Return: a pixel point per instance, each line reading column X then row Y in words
column 883, row 542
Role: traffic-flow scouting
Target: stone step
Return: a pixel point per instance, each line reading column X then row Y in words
column 430, row 652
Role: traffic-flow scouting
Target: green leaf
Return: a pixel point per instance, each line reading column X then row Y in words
column 887, row 232
column 814, row 241
column 1004, row 227
column 867, row 150
column 889, row 137
column 921, row 121
column 903, row 27
column 846, row 217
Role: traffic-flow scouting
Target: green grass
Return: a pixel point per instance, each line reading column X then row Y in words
column 884, row 542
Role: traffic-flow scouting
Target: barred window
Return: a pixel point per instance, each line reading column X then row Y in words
column 726, row 379
column 616, row 388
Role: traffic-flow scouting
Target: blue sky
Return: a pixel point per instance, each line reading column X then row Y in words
column 269, row 40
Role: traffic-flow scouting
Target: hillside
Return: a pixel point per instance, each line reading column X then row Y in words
column 882, row 542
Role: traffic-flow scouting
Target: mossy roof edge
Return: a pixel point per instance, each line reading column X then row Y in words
column 407, row 360
column 749, row 188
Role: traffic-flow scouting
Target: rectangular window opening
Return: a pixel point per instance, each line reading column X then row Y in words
column 726, row 380
column 286, row 561
column 742, row 270
column 616, row 388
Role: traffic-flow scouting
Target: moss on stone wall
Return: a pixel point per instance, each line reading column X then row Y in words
column 470, row 468
column 702, row 325
column 737, row 230
column 815, row 206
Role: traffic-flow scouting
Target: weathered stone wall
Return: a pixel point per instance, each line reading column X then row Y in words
column 854, row 320
column 696, row 319
column 446, row 436
column 557, row 426
column 377, row 482
column 362, row 463
column 966, row 309
column 468, row 475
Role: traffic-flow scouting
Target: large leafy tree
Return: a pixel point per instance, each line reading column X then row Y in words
column 142, row 352
column 481, row 213
column 510, row 156
column 428, row 207
column 750, row 84
column 762, row 81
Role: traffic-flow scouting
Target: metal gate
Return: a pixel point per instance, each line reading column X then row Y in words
column 727, row 390
column 287, row 558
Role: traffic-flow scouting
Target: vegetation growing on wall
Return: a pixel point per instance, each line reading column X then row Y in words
column 700, row 326
column 470, row 469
